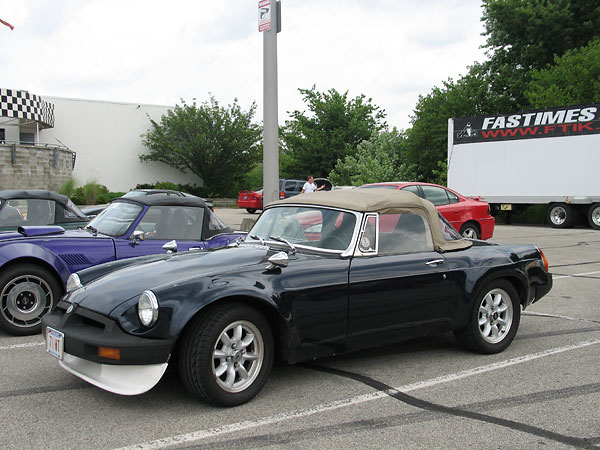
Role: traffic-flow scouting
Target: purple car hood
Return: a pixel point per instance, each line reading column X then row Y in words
column 53, row 231
column 158, row 273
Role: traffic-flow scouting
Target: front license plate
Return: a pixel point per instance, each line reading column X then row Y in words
column 55, row 342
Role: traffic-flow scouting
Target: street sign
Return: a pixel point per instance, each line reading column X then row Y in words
column 264, row 15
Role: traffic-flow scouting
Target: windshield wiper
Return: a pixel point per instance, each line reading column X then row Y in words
column 285, row 241
column 92, row 229
column 258, row 238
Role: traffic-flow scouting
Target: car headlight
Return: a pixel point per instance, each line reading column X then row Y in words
column 73, row 283
column 148, row 308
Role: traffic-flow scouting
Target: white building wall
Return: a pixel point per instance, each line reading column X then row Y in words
column 107, row 139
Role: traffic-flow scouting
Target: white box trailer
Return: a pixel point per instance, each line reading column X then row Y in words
column 549, row 156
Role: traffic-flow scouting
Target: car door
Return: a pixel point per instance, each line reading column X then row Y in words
column 449, row 207
column 404, row 289
column 162, row 224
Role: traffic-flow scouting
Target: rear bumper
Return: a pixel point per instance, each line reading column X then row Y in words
column 487, row 227
column 538, row 290
column 250, row 203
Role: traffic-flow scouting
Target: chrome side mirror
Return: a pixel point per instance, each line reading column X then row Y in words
column 171, row 246
column 279, row 259
column 138, row 235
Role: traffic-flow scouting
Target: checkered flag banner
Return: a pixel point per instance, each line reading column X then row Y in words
column 23, row 105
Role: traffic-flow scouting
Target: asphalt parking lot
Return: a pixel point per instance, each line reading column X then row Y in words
column 543, row 392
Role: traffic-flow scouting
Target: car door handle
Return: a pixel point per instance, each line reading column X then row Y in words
column 435, row 262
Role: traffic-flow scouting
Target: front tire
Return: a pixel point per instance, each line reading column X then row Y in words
column 226, row 354
column 27, row 292
column 470, row 231
column 494, row 320
column 594, row 216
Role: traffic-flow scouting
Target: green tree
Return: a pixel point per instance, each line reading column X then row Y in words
column 333, row 128
column 523, row 35
column 573, row 79
column 215, row 143
column 427, row 139
column 375, row 160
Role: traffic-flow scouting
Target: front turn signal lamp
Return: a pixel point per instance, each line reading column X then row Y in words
column 109, row 353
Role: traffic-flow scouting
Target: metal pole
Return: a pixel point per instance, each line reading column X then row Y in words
column 270, row 119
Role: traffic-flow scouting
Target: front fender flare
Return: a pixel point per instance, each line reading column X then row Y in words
column 32, row 253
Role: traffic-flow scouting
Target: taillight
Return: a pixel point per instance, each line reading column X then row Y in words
column 282, row 194
column 546, row 265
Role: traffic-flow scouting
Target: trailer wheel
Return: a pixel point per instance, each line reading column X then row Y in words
column 561, row 215
column 594, row 216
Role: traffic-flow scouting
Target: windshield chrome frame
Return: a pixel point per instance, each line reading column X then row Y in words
column 349, row 251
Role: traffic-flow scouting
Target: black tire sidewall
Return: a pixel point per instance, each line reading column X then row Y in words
column 28, row 269
column 569, row 211
column 589, row 216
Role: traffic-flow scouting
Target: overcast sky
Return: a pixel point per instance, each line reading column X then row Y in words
column 158, row 52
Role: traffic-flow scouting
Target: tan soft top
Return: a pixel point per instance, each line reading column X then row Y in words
column 382, row 201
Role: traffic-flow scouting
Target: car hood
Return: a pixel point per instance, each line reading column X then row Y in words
column 115, row 287
column 53, row 231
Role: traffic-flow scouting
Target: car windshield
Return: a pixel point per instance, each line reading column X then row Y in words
column 116, row 219
column 323, row 228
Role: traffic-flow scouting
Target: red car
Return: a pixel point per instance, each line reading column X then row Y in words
column 469, row 215
column 251, row 200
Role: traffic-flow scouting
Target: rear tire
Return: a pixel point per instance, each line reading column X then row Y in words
column 226, row 354
column 561, row 215
column 470, row 231
column 251, row 210
column 494, row 320
column 27, row 292
column 594, row 216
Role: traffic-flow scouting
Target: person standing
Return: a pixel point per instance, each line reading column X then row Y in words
column 310, row 186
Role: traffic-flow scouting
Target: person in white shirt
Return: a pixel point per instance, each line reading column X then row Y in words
column 310, row 186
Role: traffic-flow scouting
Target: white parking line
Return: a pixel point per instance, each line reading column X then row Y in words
column 575, row 275
column 300, row 413
column 11, row 347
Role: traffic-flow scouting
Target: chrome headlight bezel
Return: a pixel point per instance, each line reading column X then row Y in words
column 147, row 309
column 73, row 283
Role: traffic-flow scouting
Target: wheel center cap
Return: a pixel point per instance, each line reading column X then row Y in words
column 25, row 301
column 237, row 356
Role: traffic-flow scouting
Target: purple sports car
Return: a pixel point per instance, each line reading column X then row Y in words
column 36, row 261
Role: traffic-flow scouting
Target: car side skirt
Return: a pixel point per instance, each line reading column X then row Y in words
column 123, row 379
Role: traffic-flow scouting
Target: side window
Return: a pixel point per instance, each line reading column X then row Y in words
column 290, row 186
column 404, row 233
column 435, row 195
column 412, row 188
column 164, row 222
column 40, row 212
column 453, row 197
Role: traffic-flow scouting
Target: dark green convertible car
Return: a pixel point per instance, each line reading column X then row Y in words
column 319, row 274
